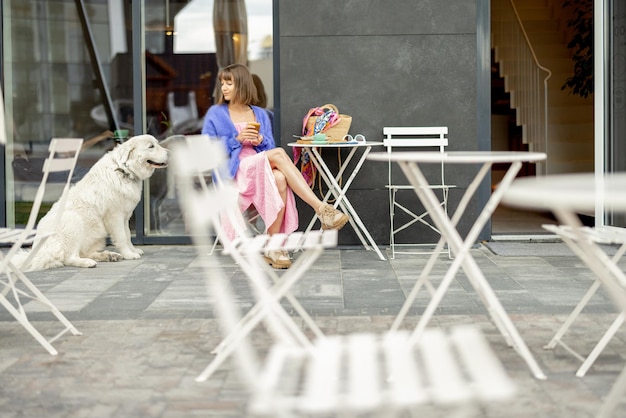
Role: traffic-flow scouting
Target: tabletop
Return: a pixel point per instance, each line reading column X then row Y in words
column 577, row 192
column 458, row 157
column 334, row 144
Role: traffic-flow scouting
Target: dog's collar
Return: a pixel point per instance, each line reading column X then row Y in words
column 126, row 173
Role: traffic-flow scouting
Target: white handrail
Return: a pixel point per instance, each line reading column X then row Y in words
column 522, row 74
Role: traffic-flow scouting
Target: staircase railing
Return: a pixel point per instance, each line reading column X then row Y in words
column 525, row 79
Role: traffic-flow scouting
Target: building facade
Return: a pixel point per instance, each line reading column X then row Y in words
column 87, row 67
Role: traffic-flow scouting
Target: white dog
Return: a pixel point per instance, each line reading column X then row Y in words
column 100, row 205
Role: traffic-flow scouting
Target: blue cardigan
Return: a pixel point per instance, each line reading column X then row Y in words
column 217, row 124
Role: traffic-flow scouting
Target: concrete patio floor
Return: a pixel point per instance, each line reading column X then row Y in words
column 148, row 330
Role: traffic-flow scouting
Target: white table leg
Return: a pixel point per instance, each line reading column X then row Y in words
column 423, row 278
column 324, row 171
column 464, row 259
column 334, row 189
column 339, row 193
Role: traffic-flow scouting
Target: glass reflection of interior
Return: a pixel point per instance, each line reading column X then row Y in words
column 67, row 72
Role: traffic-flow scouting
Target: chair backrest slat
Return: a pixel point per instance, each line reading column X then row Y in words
column 415, row 142
column 58, row 164
column 64, row 145
column 415, row 130
column 446, row 380
column 415, row 136
column 364, row 380
column 62, row 157
column 477, row 358
column 62, row 153
column 406, row 387
column 322, row 386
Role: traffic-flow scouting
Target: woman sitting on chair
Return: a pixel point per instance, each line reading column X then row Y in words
column 265, row 175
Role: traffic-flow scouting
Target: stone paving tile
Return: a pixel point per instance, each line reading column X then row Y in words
column 148, row 330
column 147, row 368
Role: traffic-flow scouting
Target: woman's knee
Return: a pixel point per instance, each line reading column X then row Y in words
column 281, row 180
column 279, row 156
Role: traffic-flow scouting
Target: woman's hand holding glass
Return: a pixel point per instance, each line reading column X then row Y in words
column 250, row 135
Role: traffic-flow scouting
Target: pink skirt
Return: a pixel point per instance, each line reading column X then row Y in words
column 257, row 187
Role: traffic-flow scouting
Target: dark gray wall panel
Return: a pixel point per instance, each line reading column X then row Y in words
column 368, row 17
column 383, row 81
column 401, row 63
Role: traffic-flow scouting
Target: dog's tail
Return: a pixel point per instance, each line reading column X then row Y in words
column 39, row 261
column 19, row 258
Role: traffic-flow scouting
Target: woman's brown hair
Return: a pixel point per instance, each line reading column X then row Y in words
column 245, row 91
column 260, row 91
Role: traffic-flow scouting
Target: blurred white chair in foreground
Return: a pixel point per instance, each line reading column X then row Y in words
column 208, row 178
column 568, row 195
column 62, row 157
column 358, row 373
column 211, row 206
column 598, row 235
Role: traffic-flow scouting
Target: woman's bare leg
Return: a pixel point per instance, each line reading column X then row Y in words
column 281, row 182
column 278, row 259
column 330, row 217
column 279, row 160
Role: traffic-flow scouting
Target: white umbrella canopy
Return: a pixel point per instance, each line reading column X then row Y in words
column 228, row 37
column 195, row 33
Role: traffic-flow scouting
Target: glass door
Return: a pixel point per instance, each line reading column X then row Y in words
column 618, row 95
column 57, row 60
column 614, row 90
column 89, row 68
column 186, row 43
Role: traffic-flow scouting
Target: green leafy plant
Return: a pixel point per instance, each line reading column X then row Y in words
column 165, row 121
column 22, row 211
column 581, row 43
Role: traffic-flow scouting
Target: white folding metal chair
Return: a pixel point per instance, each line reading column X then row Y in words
column 361, row 373
column 182, row 114
column 354, row 374
column 407, row 138
column 62, row 157
column 365, row 373
column 598, row 235
column 614, row 281
column 214, row 205
column 251, row 216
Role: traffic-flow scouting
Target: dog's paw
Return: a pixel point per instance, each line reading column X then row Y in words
column 113, row 256
column 81, row 262
column 138, row 250
column 131, row 256
column 106, row 256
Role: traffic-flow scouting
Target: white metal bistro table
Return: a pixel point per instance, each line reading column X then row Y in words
column 566, row 195
column 337, row 190
column 410, row 163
